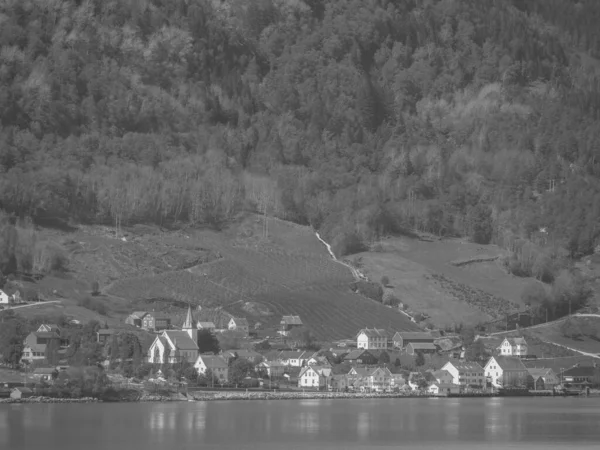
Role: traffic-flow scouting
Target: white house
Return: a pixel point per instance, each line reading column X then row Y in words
column 179, row 344
column 503, row 371
column 370, row 339
column 315, row 377
column 238, row 324
column 216, row 364
column 377, row 379
column 443, row 388
column 465, row 373
column 443, row 377
column 294, row 358
column 513, row 347
column 5, row 299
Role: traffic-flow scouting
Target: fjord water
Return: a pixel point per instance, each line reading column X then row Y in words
column 497, row 423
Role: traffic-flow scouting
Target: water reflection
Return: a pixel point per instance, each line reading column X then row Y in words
column 457, row 423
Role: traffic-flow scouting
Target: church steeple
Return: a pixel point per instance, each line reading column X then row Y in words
column 189, row 323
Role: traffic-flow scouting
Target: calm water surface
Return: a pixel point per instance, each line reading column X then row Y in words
column 497, row 423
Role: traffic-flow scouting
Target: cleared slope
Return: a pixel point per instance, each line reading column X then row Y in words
column 289, row 272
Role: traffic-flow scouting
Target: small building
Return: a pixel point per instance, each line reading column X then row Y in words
column 45, row 373
column 136, row 318
column 442, row 377
column 20, row 392
column 49, row 328
column 374, row 338
column 466, row 374
column 4, row 298
column 514, row 346
column 578, row 375
column 176, row 345
column 216, row 364
column 443, row 388
column 239, row 324
column 273, row 369
column 402, row 338
column 34, row 345
column 249, row 355
column 103, row 334
column 316, row 377
column 541, row 379
column 420, row 347
column 374, row 378
column 288, row 323
column 206, row 326
column 360, row 356
column 154, row 321
column 293, row 358
column 505, row 371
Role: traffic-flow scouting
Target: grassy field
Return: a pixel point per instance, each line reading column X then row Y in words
column 588, row 342
column 437, row 278
column 238, row 269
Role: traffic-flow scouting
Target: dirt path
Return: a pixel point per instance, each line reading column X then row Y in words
column 34, row 304
column 355, row 273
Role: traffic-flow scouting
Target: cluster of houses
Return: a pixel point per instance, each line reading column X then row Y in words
column 365, row 365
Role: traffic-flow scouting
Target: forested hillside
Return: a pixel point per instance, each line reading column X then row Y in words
column 475, row 118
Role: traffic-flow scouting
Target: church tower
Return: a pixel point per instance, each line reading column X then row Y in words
column 189, row 325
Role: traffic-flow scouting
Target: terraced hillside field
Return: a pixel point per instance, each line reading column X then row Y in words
column 450, row 280
column 289, row 272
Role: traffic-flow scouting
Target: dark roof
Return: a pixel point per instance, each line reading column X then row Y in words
column 510, row 363
column 374, row 333
column 579, row 371
column 465, row 365
column 46, row 334
column 211, row 361
column 181, row 339
column 24, row 390
column 240, row 321
column 355, row 354
column 422, row 346
column 413, row 335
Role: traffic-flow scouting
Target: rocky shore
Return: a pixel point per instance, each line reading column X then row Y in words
column 49, row 400
column 213, row 396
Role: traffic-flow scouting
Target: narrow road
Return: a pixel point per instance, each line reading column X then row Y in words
column 33, row 304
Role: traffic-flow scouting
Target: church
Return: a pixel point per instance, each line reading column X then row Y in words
column 175, row 345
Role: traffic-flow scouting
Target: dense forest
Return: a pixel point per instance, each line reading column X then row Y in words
column 474, row 118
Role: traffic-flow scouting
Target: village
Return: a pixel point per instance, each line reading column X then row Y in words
column 374, row 361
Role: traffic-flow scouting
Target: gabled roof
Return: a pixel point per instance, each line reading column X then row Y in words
column 291, row 320
column 362, row 371
column 38, row 348
column 292, row 354
column 465, row 365
column 509, row 363
column 579, row 371
column 240, row 321
column 516, row 341
column 242, row 353
column 51, row 326
column 212, row 361
column 205, row 325
column 441, row 373
column 373, row 333
column 46, row 334
column 23, row 390
column 422, row 346
column 541, row 372
column 138, row 314
column 181, row 339
column 412, row 335
column 355, row 354
column 159, row 315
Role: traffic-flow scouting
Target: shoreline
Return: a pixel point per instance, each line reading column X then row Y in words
column 248, row 396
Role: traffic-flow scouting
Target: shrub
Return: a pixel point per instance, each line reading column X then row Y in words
column 93, row 305
column 95, row 288
column 385, row 280
column 371, row 290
